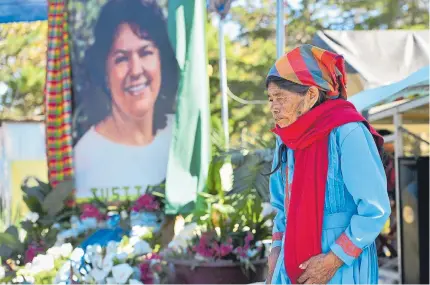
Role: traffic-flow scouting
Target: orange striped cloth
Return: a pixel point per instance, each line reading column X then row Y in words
column 312, row 66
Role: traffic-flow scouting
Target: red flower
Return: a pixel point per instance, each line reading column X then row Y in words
column 242, row 251
column 249, row 237
column 70, row 203
column 32, row 251
column 91, row 211
column 146, row 202
column 146, row 275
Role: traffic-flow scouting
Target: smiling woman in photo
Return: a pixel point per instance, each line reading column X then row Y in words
column 133, row 63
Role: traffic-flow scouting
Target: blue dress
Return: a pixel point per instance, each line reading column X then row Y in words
column 356, row 205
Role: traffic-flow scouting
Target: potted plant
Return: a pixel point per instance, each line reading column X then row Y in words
column 224, row 243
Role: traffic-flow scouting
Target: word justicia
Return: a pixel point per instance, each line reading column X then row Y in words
column 118, row 193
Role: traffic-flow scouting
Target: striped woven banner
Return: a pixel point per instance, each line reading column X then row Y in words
column 58, row 97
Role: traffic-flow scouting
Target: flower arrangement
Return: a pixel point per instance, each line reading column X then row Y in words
column 127, row 231
column 232, row 228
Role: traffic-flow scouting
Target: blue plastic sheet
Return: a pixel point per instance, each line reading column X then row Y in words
column 23, row 10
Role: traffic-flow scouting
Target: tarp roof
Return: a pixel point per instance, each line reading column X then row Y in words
column 416, row 84
column 380, row 57
column 23, row 10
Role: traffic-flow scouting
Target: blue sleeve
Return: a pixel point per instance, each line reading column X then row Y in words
column 277, row 200
column 365, row 179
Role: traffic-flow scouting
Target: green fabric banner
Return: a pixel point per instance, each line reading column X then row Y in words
column 190, row 147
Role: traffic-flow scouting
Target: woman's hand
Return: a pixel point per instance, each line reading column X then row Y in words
column 320, row 269
column 273, row 258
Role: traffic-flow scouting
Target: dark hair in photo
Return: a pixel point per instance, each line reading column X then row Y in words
column 148, row 22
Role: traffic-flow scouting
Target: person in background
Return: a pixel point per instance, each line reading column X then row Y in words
column 328, row 184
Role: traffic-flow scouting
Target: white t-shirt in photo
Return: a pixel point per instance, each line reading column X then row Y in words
column 115, row 171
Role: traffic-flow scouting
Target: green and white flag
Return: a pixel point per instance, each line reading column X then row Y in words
column 190, row 149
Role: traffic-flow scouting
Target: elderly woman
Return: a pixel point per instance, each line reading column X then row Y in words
column 328, row 184
column 134, row 65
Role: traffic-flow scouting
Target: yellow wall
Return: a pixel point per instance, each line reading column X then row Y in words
column 19, row 171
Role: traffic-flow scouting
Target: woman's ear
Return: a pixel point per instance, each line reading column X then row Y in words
column 311, row 98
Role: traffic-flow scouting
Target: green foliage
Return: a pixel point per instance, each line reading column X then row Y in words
column 252, row 53
column 22, row 69
column 48, row 203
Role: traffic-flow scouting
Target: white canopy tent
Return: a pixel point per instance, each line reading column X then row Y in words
column 377, row 58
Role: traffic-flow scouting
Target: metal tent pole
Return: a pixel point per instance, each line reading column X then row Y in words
column 223, row 83
column 280, row 28
column 398, row 152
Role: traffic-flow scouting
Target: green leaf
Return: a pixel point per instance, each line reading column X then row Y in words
column 51, row 237
column 27, row 225
column 33, row 204
column 5, row 252
column 10, row 241
column 54, row 202
column 45, row 187
column 34, row 192
column 10, row 275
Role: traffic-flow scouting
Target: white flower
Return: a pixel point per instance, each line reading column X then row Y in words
column 88, row 279
column 267, row 209
column 121, row 273
column 122, row 257
column 66, row 249
column 56, row 226
column 110, row 280
column 226, row 174
column 77, row 255
column 2, row 272
column 112, row 247
column 64, row 273
column 32, row 217
column 54, row 251
column 89, row 223
column 134, row 281
column 180, row 241
column 41, row 263
column 141, row 247
column 74, row 221
column 178, row 244
column 138, row 231
column 188, row 231
column 99, row 275
column 252, row 252
column 68, row 234
column 124, row 214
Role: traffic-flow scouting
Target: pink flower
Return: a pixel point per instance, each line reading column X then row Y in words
column 157, row 268
column 249, row 237
column 91, row 211
column 225, row 249
column 146, row 202
column 32, row 251
column 146, row 275
column 241, row 251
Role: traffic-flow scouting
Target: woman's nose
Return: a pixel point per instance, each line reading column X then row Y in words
column 135, row 66
column 274, row 107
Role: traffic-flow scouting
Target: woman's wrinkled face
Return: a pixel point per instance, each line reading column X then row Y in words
column 285, row 106
column 133, row 73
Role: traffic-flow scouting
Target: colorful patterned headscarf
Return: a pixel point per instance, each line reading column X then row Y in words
column 312, row 66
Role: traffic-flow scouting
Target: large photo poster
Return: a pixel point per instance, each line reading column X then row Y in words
column 125, row 83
